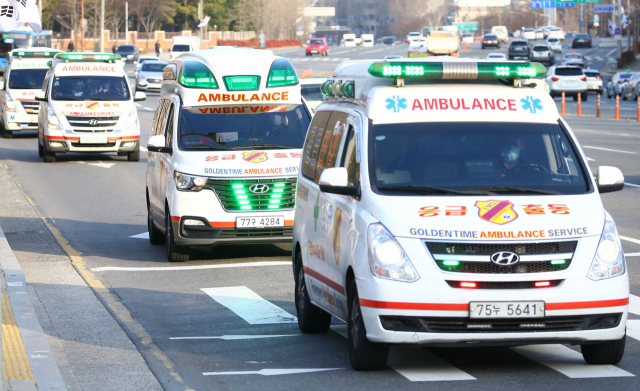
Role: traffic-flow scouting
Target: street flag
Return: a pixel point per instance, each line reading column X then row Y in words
column 28, row 13
column 204, row 22
column 612, row 27
column 8, row 15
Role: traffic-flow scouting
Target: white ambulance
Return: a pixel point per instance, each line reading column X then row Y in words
column 445, row 202
column 23, row 77
column 86, row 106
column 225, row 151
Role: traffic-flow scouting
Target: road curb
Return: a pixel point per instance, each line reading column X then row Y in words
column 32, row 354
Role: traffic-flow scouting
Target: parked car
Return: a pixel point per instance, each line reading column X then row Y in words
column 594, row 80
column 614, row 87
column 542, row 53
column 630, row 88
column 129, row 53
column 490, row 40
column 568, row 79
column 150, row 76
column 575, row 59
column 141, row 61
column 518, row 48
column 581, row 40
column 496, row 56
column 317, row 46
column 555, row 44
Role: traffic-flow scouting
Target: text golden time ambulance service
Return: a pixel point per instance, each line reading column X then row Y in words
column 225, row 150
column 87, row 106
column 23, row 77
column 446, row 213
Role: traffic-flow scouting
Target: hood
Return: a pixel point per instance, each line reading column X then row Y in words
column 241, row 164
column 23, row 94
column 492, row 217
column 91, row 108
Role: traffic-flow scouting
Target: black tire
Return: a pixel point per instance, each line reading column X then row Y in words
column 624, row 95
column 603, row 353
column 175, row 253
column 134, row 156
column 311, row 319
column 156, row 236
column 609, row 96
column 49, row 157
column 40, row 149
column 584, row 96
column 363, row 354
column 575, row 98
column 635, row 96
column 6, row 133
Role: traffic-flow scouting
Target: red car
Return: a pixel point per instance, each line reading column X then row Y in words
column 318, row 46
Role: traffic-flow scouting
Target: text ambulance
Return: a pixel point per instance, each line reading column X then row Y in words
column 225, row 151
column 23, row 77
column 86, row 106
column 452, row 212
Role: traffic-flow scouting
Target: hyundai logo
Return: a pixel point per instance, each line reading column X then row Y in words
column 505, row 258
column 259, row 189
column 93, row 122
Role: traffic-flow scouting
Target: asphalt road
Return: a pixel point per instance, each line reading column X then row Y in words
column 97, row 204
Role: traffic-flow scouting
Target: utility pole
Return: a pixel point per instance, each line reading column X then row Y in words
column 126, row 22
column 200, row 17
column 102, row 28
column 581, row 18
column 82, row 25
column 40, row 8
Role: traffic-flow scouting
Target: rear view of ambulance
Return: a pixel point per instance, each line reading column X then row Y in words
column 23, row 77
column 225, row 150
column 86, row 106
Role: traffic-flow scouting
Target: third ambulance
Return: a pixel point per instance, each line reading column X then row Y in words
column 445, row 202
column 224, row 151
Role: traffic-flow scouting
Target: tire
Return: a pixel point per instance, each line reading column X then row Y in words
column 156, row 236
column 585, row 96
column 609, row 94
column 603, row 353
column 624, row 95
column 6, row 133
column 175, row 253
column 40, row 149
column 311, row 319
column 134, row 156
column 363, row 354
column 49, row 157
column 635, row 97
column 575, row 98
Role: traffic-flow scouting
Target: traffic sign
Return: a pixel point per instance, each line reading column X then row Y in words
column 618, row 31
column 603, row 8
column 466, row 26
column 536, row 4
column 579, row 1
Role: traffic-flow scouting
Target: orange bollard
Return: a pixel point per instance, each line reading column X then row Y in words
column 617, row 106
column 579, row 104
column 563, row 113
column 598, row 112
column 638, row 110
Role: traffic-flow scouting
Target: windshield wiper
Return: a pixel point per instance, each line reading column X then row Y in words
column 506, row 189
column 262, row 146
column 429, row 189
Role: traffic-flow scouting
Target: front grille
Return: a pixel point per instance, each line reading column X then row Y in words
column 154, row 81
column 92, row 130
column 492, row 268
column 235, row 194
column 106, row 145
column 256, row 233
column 31, row 107
column 490, row 248
column 92, row 122
column 505, row 284
column 467, row 325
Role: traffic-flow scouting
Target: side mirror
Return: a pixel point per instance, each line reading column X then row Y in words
column 609, row 179
column 40, row 96
column 1, row 85
column 335, row 180
column 158, row 144
column 139, row 95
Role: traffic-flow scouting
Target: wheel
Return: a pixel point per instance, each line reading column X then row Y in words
column 608, row 93
column 6, row 133
column 155, row 235
column 311, row 319
column 40, row 149
column 49, row 157
column 134, row 156
column 363, row 354
column 585, row 96
column 575, row 98
column 624, row 95
column 608, row 352
column 175, row 253
column 635, row 97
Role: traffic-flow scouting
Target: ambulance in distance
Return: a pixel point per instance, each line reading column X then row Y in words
column 23, row 77
column 225, row 150
column 86, row 106
column 444, row 202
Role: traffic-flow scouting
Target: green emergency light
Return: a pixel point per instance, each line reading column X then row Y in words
column 28, row 54
column 197, row 75
column 282, row 74
column 457, row 70
column 88, row 57
column 242, row 83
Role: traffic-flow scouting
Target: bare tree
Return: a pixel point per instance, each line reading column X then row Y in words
column 412, row 15
column 151, row 13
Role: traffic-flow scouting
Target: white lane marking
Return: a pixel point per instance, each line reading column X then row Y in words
column 138, row 104
column 628, row 239
column 344, row 51
column 197, row 267
column 624, row 134
column 143, row 149
column 373, row 51
column 591, row 160
column 610, row 53
column 568, row 362
column 238, row 337
column 634, row 306
column 418, row 364
column 633, row 329
column 147, row 108
column 632, row 255
column 272, row 372
column 249, row 305
column 144, row 235
column 103, row 165
column 607, row 149
column 631, row 184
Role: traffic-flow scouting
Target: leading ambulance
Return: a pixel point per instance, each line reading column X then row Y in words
column 444, row 202
column 86, row 106
column 23, row 77
column 225, row 151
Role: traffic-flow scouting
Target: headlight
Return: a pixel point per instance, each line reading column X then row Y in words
column 52, row 120
column 132, row 120
column 186, row 182
column 387, row 259
column 609, row 259
column 11, row 106
column 142, row 82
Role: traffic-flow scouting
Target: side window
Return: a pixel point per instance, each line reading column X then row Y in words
column 330, row 142
column 158, row 119
column 168, row 134
column 312, row 143
column 349, row 159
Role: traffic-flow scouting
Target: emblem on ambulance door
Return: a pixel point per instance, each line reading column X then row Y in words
column 497, row 212
column 92, row 105
column 254, row 157
column 337, row 219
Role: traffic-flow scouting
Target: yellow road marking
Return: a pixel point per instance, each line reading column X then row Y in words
column 16, row 363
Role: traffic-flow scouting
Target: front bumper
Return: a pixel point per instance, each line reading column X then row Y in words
column 20, row 121
column 149, row 86
column 115, row 143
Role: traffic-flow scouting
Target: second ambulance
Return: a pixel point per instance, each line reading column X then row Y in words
column 445, row 202
column 224, row 151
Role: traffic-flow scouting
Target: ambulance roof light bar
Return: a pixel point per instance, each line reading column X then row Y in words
column 88, row 57
column 30, row 54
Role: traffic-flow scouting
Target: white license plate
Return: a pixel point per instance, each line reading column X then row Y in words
column 569, row 82
column 93, row 140
column 260, row 222
column 506, row 309
column 313, row 51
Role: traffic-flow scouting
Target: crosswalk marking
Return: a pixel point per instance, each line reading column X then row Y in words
column 568, row 362
column 238, row 337
column 144, row 235
column 418, row 364
column 249, row 305
column 634, row 306
column 633, row 329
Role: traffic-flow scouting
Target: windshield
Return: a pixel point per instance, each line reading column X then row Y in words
column 154, row 67
column 624, row 75
column 126, row 48
column 243, row 127
column 553, row 40
column 316, row 42
column 180, row 48
column 490, row 37
column 519, row 43
column 479, row 158
column 592, row 74
column 541, row 48
column 28, row 79
column 90, row 88
column 311, row 92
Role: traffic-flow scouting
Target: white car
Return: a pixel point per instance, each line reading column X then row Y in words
column 496, row 56
column 225, row 150
column 417, row 47
column 555, row 32
column 568, row 79
column 555, row 44
column 594, row 80
column 444, row 214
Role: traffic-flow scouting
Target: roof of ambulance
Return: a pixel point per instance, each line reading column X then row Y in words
column 233, row 61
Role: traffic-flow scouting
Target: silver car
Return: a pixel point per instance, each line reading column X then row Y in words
column 542, row 53
column 616, row 84
column 150, row 76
